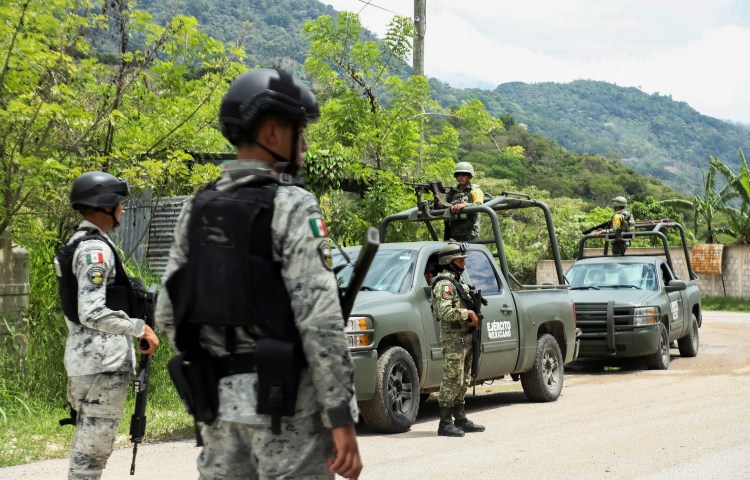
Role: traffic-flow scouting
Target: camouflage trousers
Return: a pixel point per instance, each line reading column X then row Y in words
column 240, row 445
column 99, row 400
column 457, row 356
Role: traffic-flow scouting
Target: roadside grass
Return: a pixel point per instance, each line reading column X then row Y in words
column 726, row 304
column 29, row 429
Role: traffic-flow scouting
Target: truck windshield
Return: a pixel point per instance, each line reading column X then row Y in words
column 641, row 276
column 391, row 270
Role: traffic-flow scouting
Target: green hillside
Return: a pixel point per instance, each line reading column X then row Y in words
column 654, row 134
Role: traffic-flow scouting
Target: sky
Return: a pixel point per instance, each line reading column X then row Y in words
column 694, row 51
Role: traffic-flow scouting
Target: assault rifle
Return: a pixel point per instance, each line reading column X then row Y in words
column 140, row 384
column 361, row 267
column 602, row 225
column 476, row 342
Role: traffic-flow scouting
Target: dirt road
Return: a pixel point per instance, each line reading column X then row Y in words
column 621, row 422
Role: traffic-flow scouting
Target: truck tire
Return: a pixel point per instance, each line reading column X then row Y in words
column 659, row 360
column 394, row 407
column 544, row 382
column 690, row 343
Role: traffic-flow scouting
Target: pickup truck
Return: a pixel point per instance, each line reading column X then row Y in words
column 528, row 331
column 633, row 305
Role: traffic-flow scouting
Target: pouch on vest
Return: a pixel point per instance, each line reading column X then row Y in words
column 194, row 376
column 278, row 363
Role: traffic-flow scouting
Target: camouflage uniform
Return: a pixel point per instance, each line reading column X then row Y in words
column 99, row 358
column 455, row 337
column 621, row 220
column 240, row 444
column 465, row 227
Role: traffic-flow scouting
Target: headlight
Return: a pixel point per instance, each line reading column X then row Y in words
column 646, row 316
column 359, row 331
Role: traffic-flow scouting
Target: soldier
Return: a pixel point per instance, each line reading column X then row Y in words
column 464, row 227
column 450, row 304
column 622, row 221
column 96, row 297
column 250, row 276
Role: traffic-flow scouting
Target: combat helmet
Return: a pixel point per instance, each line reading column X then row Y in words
column 451, row 251
column 619, row 202
column 261, row 91
column 463, row 167
column 98, row 190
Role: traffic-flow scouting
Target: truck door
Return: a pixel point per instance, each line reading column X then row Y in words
column 500, row 336
column 677, row 318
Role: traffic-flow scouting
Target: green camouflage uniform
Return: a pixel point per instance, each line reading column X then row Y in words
column 455, row 337
column 623, row 220
column 465, row 227
column 240, row 444
column 99, row 358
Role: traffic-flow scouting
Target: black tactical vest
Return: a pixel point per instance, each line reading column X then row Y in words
column 230, row 279
column 119, row 295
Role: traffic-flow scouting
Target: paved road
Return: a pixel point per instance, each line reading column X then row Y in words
column 626, row 422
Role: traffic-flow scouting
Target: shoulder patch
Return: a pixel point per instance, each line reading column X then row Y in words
column 94, row 256
column 96, row 276
column 447, row 290
column 318, row 227
column 325, row 255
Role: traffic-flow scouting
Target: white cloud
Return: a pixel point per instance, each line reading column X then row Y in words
column 690, row 49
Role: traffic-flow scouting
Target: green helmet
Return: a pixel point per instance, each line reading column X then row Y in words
column 451, row 251
column 619, row 202
column 463, row 167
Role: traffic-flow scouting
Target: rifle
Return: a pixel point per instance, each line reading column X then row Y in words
column 140, row 384
column 597, row 227
column 436, row 188
column 476, row 342
column 361, row 267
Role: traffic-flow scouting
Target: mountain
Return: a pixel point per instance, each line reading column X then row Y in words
column 654, row 134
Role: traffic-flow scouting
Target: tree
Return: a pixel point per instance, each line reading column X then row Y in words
column 64, row 111
column 736, row 190
column 704, row 207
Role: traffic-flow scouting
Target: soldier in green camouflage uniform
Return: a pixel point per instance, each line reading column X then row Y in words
column 99, row 353
column 319, row 440
column 456, row 320
column 464, row 227
column 622, row 221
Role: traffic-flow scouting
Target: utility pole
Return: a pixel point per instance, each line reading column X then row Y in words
column 420, row 24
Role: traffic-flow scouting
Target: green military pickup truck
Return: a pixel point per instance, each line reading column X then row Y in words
column 528, row 331
column 633, row 305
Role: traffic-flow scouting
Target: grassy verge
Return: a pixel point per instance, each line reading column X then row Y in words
column 726, row 304
column 30, row 430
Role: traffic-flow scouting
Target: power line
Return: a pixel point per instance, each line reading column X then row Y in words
column 368, row 3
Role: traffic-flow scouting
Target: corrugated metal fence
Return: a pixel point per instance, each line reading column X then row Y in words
column 146, row 230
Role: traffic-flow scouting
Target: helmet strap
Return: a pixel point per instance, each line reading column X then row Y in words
column 115, row 222
column 288, row 164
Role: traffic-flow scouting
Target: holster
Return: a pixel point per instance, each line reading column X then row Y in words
column 279, row 365
column 194, row 376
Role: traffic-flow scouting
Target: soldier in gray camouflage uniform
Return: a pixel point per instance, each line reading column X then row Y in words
column 99, row 352
column 456, row 320
column 465, row 227
column 263, row 114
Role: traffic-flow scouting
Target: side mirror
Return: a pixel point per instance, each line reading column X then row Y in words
column 676, row 286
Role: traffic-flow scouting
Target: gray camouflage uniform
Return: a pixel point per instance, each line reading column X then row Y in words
column 240, row 444
column 455, row 337
column 99, row 358
column 465, row 227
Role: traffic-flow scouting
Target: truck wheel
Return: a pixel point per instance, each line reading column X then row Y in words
column 659, row 360
column 394, row 407
column 544, row 382
column 690, row 343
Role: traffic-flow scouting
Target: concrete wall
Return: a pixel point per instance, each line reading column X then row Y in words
column 733, row 282
column 14, row 294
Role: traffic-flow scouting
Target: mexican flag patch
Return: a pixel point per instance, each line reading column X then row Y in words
column 94, row 257
column 318, row 227
column 446, row 291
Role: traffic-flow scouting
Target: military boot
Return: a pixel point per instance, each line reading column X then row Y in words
column 446, row 427
column 464, row 423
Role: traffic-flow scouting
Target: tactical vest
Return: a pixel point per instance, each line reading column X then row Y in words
column 230, row 279
column 119, row 296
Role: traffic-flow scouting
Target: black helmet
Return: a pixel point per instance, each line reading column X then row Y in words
column 97, row 190
column 261, row 91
